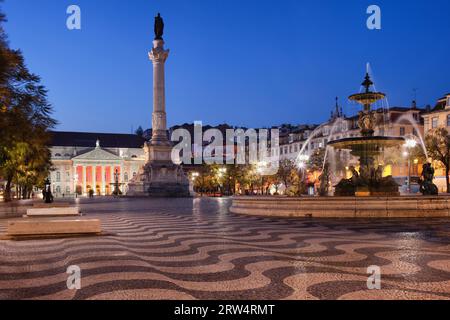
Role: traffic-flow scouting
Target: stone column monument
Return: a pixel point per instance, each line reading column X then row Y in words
column 160, row 177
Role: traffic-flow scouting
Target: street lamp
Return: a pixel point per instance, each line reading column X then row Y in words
column 221, row 173
column 75, row 182
column 409, row 144
column 302, row 160
column 194, row 175
column 116, row 191
column 261, row 169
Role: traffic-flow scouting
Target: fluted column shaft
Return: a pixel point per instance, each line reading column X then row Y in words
column 158, row 56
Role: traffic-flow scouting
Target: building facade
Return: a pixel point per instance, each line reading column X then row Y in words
column 434, row 118
column 90, row 161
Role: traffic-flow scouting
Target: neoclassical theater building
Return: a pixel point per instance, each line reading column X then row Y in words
column 90, row 161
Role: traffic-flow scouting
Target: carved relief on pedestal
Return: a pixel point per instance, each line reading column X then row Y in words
column 159, row 121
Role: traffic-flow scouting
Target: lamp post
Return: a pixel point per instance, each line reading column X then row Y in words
column 410, row 144
column 261, row 169
column 116, row 183
column 75, row 182
column 302, row 161
column 221, row 174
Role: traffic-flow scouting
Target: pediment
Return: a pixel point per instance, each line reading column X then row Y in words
column 98, row 154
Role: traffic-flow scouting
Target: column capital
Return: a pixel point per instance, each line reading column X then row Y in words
column 158, row 54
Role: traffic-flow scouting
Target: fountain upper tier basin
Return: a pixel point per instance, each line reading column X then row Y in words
column 344, row 207
column 376, row 143
column 367, row 98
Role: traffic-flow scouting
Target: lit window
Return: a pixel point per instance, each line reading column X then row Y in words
column 434, row 123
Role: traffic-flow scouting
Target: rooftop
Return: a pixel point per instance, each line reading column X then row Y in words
column 89, row 139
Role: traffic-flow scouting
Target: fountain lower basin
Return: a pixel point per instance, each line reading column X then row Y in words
column 344, row 207
column 369, row 181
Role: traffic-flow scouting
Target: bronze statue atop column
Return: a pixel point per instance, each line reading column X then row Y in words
column 159, row 27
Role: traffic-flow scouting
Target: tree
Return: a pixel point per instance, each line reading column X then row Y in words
column 139, row 132
column 316, row 161
column 242, row 176
column 24, row 122
column 438, row 147
column 285, row 172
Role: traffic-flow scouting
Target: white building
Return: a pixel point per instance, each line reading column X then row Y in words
column 90, row 161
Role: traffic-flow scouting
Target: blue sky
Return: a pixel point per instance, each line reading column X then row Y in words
column 246, row 62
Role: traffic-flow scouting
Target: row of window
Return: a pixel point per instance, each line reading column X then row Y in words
column 58, row 176
column 435, row 122
column 295, row 148
column 57, row 190
column 59, row 155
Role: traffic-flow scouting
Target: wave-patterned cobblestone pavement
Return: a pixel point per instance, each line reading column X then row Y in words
column 196, row 249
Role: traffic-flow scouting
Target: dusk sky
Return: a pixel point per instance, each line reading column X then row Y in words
column 245, row 62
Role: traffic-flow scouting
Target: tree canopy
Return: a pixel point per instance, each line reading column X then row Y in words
column 25, row 118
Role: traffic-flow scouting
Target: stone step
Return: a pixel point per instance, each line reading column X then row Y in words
column 53, row 227
column 53, row 212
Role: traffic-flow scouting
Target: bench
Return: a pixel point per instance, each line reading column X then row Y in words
column 51, row 205
column 53, row 227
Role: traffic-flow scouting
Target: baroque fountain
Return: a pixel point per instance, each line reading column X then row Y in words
column 369, row 181
column 367, row 193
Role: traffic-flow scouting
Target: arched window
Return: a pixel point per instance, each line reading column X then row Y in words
column 134, row 156
column 58, row 155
